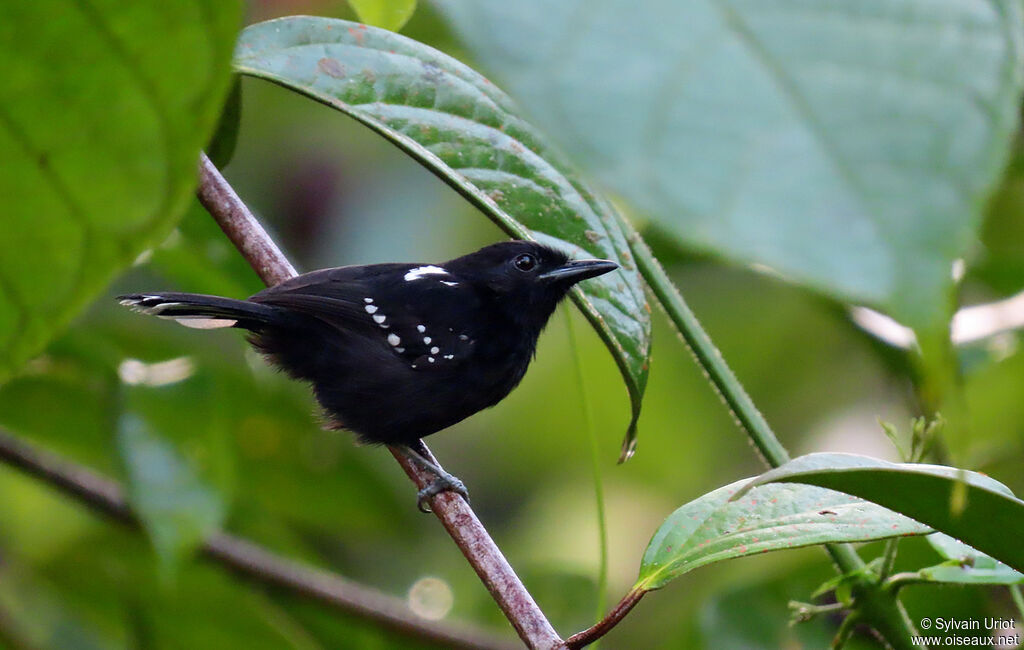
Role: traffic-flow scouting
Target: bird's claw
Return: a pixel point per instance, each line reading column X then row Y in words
column 441, row 483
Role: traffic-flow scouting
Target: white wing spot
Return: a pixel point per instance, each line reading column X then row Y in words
column 393, row 339
column 430, row 359
column 427, row 340
column 421, row 271
column 367, row 300
column 449, row 356
column 421, row 329
column 463, row 337
column 370, row 309
column 379, row 318
column 450, row 284
column 435, row 350
column 399, row 350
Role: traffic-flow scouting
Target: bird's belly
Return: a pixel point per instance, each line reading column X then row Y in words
column 401, row 407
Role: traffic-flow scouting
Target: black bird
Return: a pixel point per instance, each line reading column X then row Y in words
column 396, row 352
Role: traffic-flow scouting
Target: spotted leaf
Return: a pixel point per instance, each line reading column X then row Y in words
column 713, row 528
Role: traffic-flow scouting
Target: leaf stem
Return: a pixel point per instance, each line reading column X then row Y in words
column 1018, row 600
column 595, row 464
column 708, row 357
column 846, row 629
column 897, row 581
column 592, row 634
column 888, row 559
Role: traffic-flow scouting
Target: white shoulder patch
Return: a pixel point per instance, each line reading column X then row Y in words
column 422, row 271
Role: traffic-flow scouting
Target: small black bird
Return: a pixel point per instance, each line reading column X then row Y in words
column 396, row 352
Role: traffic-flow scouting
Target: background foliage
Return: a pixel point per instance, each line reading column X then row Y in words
column 903, row 135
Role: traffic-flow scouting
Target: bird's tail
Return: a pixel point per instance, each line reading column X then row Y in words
column 205, row 312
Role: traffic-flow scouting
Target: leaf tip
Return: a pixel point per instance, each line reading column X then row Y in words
column 629, row 442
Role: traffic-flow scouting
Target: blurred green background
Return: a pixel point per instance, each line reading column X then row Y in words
column 333, row 193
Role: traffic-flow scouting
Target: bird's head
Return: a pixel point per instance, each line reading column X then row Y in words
column 525, row 275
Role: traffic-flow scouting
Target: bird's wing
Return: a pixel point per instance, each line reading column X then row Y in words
column 422, row 315
column 335, row 296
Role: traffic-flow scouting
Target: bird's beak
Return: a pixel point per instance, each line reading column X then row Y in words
column 577, row 270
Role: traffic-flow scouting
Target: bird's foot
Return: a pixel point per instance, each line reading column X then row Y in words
column 443, row 482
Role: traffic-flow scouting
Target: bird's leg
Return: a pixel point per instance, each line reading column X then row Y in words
column 443, row 481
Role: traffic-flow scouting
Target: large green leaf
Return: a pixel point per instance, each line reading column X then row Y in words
column 103, row 108
column 773, row 517
column 462, row 128
column 958, row 502
column 848, row 145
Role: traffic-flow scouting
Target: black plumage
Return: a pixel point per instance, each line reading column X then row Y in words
column 396, row 352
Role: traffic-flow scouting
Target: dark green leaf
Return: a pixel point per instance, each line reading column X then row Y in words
column 848, row 145
column 715, row 527
column 467, row 132
column 958, row 502
column 103, row 109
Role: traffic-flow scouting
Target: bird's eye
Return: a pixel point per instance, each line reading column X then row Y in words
column 525, row 262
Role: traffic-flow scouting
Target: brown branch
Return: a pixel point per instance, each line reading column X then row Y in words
column 246, row 558
column 458, row 518
column 241, row 227
column 611, row 619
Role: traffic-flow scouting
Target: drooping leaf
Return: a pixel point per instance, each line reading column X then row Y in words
column 176, row 508
column 960, row 503
column 468, row 133
column 713, row 527
column 103, row 109
column 387, row 14
column 848, row 145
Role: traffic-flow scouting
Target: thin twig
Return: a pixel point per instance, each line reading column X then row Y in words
column 248, row 559
column 591, row 634
column 458, row 518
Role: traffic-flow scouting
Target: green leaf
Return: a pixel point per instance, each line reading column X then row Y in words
column 715, row 527
column 468, row 133
column 958, row 502
column 956, row 573
column 848, row 145
column 103, row 109
column 387, row 14
column 965, row 565
column 176, row 508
